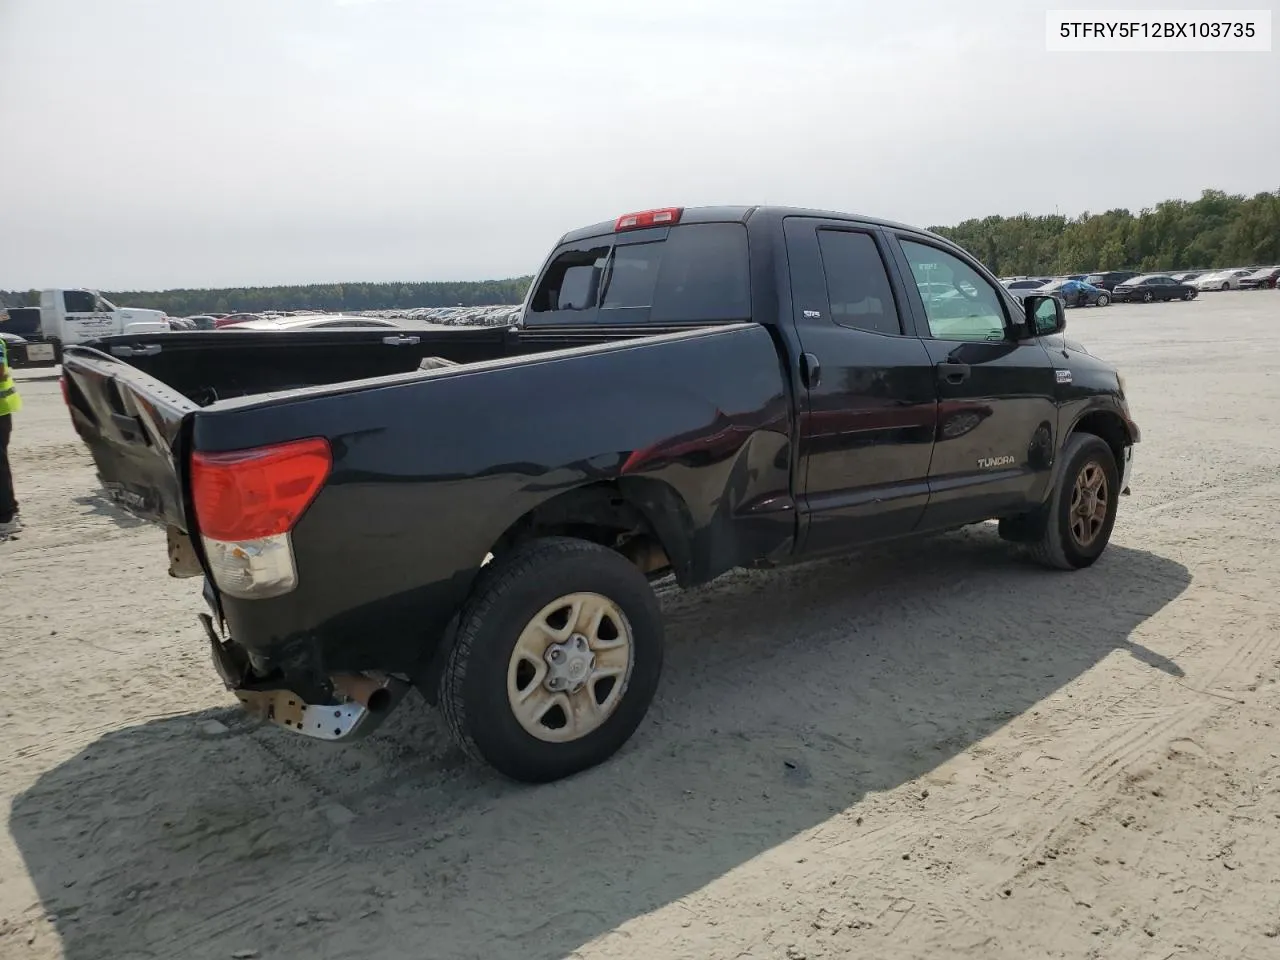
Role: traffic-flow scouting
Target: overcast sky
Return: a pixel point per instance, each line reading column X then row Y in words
column 161, row 143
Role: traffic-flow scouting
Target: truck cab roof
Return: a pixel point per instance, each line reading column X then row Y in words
column 741, row 214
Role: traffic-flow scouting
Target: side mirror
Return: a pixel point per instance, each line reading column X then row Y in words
column 1044, row 315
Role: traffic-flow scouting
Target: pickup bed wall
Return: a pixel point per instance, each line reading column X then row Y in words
column 430, row 472
column 207, row 367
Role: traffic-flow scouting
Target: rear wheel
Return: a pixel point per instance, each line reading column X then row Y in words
column 557, row 658
column 1147, row 296
column 1082, row 509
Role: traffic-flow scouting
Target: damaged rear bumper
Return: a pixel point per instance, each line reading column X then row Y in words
column 356, row 707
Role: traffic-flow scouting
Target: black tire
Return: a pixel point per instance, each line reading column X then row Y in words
column 508, row 595
column 1225, row 286
column 1103, row 299
column 1189, row 295
column 1057, row 546
column 1147, row 296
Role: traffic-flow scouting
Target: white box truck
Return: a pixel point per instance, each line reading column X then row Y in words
column 75, row 316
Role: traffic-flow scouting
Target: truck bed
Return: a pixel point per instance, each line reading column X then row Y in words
column 207, row 367
column 385, row 548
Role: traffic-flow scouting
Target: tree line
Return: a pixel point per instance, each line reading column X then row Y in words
column 1217, row 230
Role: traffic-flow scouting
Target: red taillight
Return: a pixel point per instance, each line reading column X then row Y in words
column 662, row 217
column 66, row 390
column 251, row 494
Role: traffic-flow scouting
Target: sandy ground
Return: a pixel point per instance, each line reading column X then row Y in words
column 917, row 753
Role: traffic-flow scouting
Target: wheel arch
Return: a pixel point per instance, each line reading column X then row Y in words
column 1110, row 427
column 644, row 519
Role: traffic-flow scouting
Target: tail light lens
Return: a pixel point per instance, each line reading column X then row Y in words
column 247, row 502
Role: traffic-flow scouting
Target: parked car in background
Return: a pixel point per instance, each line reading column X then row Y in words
column 1077, row 293
column 1153, row 287
column 1032, row 284
column 322, row 321
column 1263, row 279
column 1221, row 279
column 233, row 319
column 1187, row 277
column 23, row 353
column 203, row 321
column 1110, row 279
column 23, row 321
column 15, row 349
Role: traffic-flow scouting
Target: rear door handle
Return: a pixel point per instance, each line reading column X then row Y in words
column 810, row 370
column 953, row 372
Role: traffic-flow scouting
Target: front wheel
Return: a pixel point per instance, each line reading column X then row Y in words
column 1147, row 297
column 1082, row 507
column 1103, row 299
column 1188, row 295
column 556, row 660
column 1225, row 286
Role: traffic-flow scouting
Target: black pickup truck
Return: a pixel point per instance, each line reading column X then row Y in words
column 480, row 512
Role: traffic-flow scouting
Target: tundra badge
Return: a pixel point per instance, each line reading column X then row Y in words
column 986, row 463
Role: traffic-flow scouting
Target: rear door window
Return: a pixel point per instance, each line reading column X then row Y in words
column 696, row 273
column 858, row 290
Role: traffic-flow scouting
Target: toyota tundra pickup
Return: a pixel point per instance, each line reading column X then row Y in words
column 480, row 513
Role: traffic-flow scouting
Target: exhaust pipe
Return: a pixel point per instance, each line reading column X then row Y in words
column 377, row 695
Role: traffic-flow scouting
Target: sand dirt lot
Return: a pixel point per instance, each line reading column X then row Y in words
column 928, row 752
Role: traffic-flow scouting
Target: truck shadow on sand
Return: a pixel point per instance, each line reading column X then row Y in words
column 98, row 505
column 787, row 696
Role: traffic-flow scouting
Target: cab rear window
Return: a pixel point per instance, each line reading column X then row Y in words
column 696, row 273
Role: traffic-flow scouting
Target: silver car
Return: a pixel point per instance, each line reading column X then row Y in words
column 1220, row 280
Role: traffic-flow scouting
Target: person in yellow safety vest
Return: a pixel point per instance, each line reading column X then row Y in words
column 10, row 403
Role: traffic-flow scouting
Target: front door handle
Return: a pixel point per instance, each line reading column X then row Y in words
column 953, row 372
column 810, row 370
